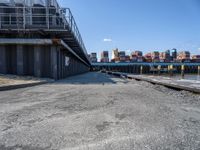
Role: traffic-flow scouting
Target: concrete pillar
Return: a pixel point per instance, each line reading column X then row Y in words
column 3, row 68
column 62, row 64
column 37, row 61
column 54, row 65
column 59, row 66
column 20, row 60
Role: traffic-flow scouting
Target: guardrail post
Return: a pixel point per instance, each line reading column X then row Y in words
column 71, row 22
column 24, row 17
column 30, row 16
column 47, row 15
column 0, row 22
column 170, row 70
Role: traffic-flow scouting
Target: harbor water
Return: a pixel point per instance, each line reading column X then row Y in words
column 186, row 77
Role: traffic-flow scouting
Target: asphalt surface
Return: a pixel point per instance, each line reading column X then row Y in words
column 95, row 111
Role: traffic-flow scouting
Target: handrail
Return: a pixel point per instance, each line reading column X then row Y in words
column 28, row 15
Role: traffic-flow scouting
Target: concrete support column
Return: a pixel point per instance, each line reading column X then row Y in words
column 3, row 68
column 37, row 61
column 59, row 65
column 20, row 60
column 54, row 65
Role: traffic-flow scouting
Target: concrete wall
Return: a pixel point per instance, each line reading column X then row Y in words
column 74, row 67
column 39, row 61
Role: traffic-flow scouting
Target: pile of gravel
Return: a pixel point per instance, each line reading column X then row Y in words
column 186, row 96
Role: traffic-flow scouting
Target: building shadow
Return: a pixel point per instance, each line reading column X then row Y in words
column 88, row 78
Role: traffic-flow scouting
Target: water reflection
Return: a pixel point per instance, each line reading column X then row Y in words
column 187, row 77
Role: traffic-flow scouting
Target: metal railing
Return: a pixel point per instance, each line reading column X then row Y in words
column 50, row 18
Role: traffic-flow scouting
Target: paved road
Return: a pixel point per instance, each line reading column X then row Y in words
column 98, row 112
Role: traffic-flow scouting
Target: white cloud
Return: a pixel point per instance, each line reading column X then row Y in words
column 107, row 40
column 128, row 51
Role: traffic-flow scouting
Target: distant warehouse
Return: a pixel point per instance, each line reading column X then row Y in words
column 39, row 38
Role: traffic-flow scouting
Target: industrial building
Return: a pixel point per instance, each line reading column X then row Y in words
column 122, row 56
column 115, row 55
column 196, row 58
column 174, row 54
column 137, row 56
column 39, row 38
column 105, row 56
column 165, row 56
column 93, row 57
column 183, row 56
column 155, row 56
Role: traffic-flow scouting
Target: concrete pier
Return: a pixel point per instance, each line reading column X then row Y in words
column 179, row 84
column 37, row 41
column 54, row 61
column 148, row 68
column 42, row 59
column 20, row 60
column 37, row 61
column 3, row 59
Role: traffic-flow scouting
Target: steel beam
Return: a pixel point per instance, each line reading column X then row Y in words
column 15, row 41
column 68, row 48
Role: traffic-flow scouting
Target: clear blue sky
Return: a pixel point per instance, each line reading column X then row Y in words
column 145, row 25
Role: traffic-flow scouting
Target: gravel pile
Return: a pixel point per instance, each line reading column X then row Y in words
column 186, row 96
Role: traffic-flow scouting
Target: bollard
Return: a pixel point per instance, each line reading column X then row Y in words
column 159, row 68
column 198, row 75
column 198, row 70
column 141, row 70
column 182, row 71
column 153, row 70
column 170, row 70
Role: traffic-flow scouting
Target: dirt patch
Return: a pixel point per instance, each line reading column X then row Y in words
column 102, row 127
column 120, row 116
column 17, row 147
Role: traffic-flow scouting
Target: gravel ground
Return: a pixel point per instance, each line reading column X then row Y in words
column 6, row 80
column 95, row 111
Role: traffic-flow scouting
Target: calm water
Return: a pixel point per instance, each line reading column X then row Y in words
column 187, row 77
